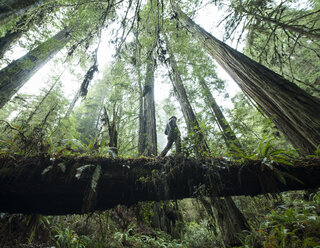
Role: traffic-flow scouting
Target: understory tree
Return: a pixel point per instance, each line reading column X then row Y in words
column 31, row 128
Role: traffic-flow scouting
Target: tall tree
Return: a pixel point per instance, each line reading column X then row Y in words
column 148, row 131
column 88, row 114
column 17, row 73
column 294, row 112
column 230, row 220
column 228, row 134
column 188, row 113
column 72, row 104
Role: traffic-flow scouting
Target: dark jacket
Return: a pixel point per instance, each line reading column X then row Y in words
column 172, row 129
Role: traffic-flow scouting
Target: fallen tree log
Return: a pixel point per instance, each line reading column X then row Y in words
column 72, row 185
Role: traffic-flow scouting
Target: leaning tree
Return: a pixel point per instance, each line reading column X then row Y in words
column 294, row 111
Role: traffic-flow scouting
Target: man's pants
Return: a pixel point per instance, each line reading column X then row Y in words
column 169, row 145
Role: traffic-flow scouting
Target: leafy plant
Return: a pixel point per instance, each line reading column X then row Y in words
column 144, row 241
column 198, row 235
column 295, row 224
column 67, row 238
column 76, row 147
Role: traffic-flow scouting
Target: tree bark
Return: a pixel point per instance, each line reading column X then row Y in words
column 228, row 135
column 16, row 74
column 230, row 220
column 111, row 127
column 50, row 186
column 294, row 112
column 142, row 125
column 148, row 132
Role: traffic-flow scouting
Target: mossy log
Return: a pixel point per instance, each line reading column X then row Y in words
column 72, row 185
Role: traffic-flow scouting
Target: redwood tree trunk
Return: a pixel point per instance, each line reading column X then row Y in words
column 230, row 220
column 235, row 220
column 294, row 111
column 142, row 123
column 148, row 132
column 16, row 74
column 227, row 132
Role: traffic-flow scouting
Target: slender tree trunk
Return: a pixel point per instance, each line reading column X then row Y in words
column 142, row 123
column 16, row 74
column 294, row 111
column 228, row 134
column 149, row 106
column 72, row 104
column 42, row 101
column 228, row 205
column 230, row 220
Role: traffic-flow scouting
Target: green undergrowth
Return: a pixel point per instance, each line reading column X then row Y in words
column 280, row 221
column 267, row 151
column 294, row 223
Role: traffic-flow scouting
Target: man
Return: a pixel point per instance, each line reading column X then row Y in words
column 173, row 133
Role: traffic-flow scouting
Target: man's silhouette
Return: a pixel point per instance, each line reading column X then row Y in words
column 173, row 133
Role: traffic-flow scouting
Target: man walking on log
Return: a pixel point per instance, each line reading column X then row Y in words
column 173, row 133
